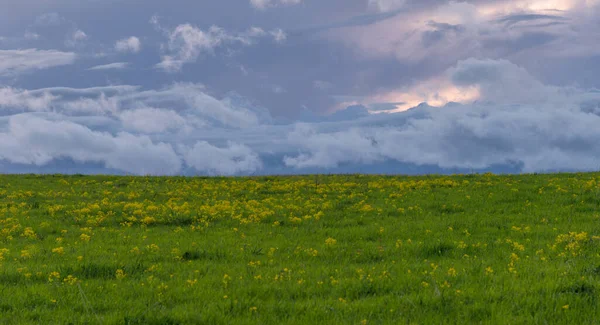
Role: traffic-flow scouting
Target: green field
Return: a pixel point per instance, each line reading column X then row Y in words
column 466, row 249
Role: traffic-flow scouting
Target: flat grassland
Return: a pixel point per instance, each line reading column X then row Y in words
column 353, row 249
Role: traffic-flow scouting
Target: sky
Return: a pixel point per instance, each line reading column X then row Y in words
column 255, row 87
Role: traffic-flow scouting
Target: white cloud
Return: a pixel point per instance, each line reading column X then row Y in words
column 279, row 35
column 264, row 4
column 450, row 31
column 151, row 120
column 515, row 120
column 14, row 62
column 230, row 160
column 131, row 44
column 31, row 36
column 386, row 5
column 111, row 66
column 38, row 141
column 75, row 38
column 328, row 150
column 22, row 100
column 187, row 43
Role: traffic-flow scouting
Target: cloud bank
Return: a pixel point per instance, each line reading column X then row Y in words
column 13, row 62
column 517, row 121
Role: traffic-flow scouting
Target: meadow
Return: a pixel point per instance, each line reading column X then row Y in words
column 351, row 249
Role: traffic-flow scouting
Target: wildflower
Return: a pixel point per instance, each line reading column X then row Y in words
column 425, row 284
column 330, row 242
column 565, row 307
column 29, row 233
column 295, row 220
column 226, row 280
column 451, row 272
column 58, row 250
column 120, row 274
column 148, row 220
column 153, row 247
column 2, row 252
column 71, row 280
column 489, row 270
column 84, row 237
column 53, row 276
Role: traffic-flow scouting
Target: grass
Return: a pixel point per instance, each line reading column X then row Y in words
column 354, row 249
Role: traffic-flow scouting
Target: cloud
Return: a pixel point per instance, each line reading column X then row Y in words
column 151, row 120
column 279, row 35
column 15, row 62
column 131, row 44
column 230, row 160
column 264, row 4
column 75, row 38
column 538, row 127
column 386, row 5
column 450, row 31
column 515, row 121
column 37, row 141
column 111, row 66
column 31, row 36
column 129, row 103
column 329, row 150
column 19, row 100
column 187, row 43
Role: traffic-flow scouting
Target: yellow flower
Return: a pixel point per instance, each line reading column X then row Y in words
column 58, row 250
column 85, row 237
column 565, row 307
column 148, row 220
column 120, row 274
column 29, row 233
column 451, row 272
column 53, row 276
column 71, row 280
column 330, row 242
column 489, row 270
column 295, row 220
